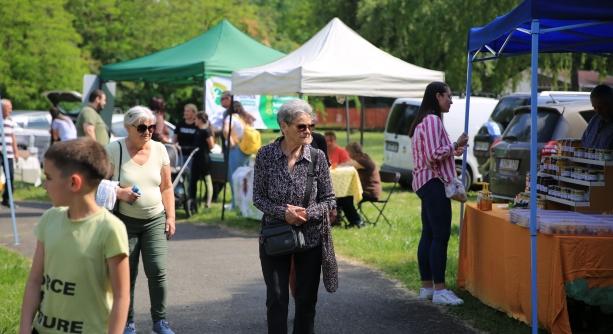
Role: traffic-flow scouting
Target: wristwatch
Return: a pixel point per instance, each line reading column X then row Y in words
column 455, row 145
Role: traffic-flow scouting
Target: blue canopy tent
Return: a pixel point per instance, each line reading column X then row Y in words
column 533, row 27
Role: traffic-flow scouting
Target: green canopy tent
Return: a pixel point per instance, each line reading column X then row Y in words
column 217, row 52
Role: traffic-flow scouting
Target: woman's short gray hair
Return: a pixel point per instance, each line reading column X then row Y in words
column 138, row 115
column 291, row 109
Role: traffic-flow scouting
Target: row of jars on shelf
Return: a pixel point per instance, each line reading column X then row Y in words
column 572, row 148
column 571, row 194
column 577, row 173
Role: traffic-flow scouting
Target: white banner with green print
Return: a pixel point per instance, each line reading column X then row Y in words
column 263, row 107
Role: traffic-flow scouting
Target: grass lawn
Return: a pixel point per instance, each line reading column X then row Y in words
column 13, row 274
column 26, row 191
column 393, row 249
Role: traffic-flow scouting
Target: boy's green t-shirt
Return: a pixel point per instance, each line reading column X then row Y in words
column 76, row 290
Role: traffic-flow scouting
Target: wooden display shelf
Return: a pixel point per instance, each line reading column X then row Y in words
column 600, row 192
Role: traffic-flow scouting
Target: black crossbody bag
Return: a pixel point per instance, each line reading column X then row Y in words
column 283, row 239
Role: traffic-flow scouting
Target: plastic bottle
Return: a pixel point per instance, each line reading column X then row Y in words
column 135, row 189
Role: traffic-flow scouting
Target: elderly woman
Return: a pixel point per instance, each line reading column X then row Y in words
column 146, row 206
column 279, row 188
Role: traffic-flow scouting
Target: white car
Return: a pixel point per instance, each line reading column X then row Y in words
column 397, row 155
column 32, row 131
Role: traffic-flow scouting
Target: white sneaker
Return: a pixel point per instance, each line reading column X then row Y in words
column 425, row 293
column 446, row 297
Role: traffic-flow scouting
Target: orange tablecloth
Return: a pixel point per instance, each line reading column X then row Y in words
column 494, row 266
column 346, row 182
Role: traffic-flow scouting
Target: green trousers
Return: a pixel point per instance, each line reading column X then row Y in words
column 147, row 237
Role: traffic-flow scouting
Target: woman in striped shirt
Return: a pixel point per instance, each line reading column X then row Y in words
column 434, row 166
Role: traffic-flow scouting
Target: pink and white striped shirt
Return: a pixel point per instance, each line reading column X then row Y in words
column 432, row 152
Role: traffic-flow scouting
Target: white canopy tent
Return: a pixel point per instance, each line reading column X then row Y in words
column 336, row 61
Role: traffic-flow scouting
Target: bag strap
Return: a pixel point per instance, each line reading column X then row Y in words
column 120, row 161
column 310, row 176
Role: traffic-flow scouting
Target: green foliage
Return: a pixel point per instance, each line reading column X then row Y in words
column 39, row 51
column 50, row 44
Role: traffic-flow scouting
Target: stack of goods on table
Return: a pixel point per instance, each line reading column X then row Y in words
column 565, row 222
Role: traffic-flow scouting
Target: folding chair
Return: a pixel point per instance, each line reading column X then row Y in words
column 380, row 204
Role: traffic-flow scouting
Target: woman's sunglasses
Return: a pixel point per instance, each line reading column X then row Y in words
column 141, row 128
column 303, row 127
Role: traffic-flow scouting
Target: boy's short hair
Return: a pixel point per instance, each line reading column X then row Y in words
column 84, row 156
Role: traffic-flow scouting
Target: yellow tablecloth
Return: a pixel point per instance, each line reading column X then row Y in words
column 494, row 266
column 346, row 182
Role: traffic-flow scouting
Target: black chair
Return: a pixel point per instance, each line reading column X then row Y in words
column 380, row 204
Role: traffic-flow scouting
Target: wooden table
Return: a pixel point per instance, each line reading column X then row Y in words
column 494, row 266
column 346, row 182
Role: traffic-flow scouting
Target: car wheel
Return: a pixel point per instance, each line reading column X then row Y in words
column 405, row 182
column 468, row 182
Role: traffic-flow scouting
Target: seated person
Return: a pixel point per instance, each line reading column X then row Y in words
column 339, row 156
column 599, row 131
column 336, row 154
column 368, row 171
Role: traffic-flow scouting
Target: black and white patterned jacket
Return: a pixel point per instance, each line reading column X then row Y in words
column 274, row 187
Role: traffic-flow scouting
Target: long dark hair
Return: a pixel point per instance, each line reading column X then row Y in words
column 429, row 104
column 56, row 113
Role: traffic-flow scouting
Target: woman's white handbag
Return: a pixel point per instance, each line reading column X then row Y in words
column 455, row 190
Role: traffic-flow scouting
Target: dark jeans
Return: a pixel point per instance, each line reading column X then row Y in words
column 346, row 204
column 436, row 228
column 10, row 175
column 147, row 237
column 276, row 275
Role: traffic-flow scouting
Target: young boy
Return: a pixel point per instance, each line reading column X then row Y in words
column 79, row 281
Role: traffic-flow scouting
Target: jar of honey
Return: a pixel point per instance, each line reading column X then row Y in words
column 484, row 198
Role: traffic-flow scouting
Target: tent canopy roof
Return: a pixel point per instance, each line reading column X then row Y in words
column 336, row 61
column 217, row 52
column 585, row 36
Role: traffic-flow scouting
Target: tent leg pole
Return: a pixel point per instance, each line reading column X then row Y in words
column 5, row 164
column 204, row 96
column 347, row 118
column 469, row 77
column 535, row 31
column 362, row 119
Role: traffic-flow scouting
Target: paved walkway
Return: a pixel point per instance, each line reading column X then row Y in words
column 216, row 286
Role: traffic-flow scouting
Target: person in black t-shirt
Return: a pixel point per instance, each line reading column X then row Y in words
column 186, row 130
column 200, row 167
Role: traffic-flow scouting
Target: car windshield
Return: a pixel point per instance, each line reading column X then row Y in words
column 519, row 128
column 401, row 117
column 503, row 112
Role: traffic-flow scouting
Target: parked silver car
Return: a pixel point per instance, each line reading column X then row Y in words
column 32, row 130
